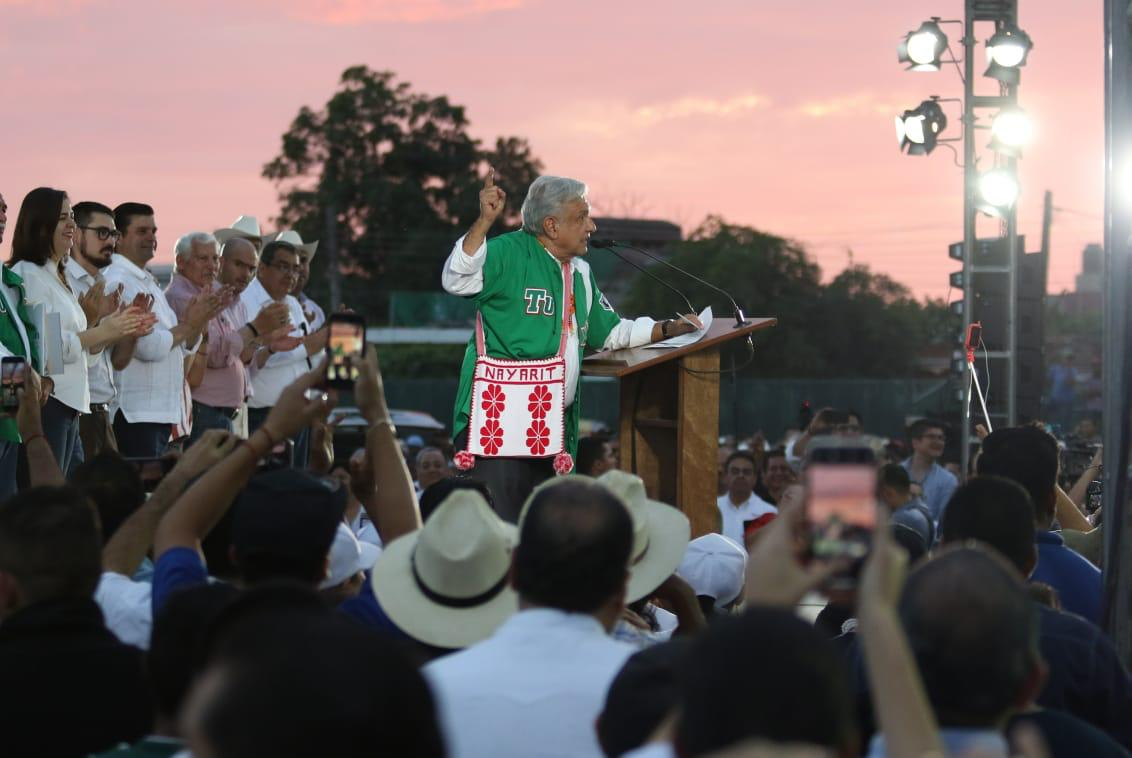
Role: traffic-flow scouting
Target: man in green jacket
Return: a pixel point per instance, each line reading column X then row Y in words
column 17, row 338
column 516, row 282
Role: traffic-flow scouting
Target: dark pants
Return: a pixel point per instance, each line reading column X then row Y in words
column 510, row 480
column 207, row 417
column 61, row 428
column 96, row 433
column 256, row 417
column 143, row 439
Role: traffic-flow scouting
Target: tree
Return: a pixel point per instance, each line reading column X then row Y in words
column 392, row 177
column 861, row 324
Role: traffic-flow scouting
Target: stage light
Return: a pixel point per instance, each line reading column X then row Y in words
column 1007, row 51
column 998, row 191
column 1011, row 130
column 917, row 130
column 923, row 48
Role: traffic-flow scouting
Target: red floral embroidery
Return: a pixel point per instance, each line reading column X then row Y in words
column 538, row 437
column 539, row 401
column 491, row 437
column 493, row 400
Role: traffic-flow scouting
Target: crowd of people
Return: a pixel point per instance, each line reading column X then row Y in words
column 253, row 593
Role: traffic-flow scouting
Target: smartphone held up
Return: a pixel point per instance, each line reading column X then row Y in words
column 345, row 346
column 841, row 501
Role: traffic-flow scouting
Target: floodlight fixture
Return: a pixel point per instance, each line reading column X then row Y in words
column 923, row 48
column 997, row 191
column 918, row 129
column 1007, row 50
column 1011, row 130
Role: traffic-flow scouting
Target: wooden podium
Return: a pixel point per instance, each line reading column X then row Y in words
column 669, row 428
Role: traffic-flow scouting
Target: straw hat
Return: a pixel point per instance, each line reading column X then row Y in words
column 448, row 583
column 660, row 533
column 245, row 226
column 292, row 237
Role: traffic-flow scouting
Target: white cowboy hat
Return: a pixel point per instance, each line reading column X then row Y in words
column 660, row 532
column 244, row 226
column 448, row 583
column 291, row 236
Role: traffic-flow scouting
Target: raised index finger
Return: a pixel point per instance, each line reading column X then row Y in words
column 490, row 180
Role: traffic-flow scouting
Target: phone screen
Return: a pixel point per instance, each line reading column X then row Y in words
column 347, row 339
column 13, row 374
column 841, row 509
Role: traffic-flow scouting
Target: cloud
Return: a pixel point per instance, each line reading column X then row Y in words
column 611, row 119
column 863, row 103
column 347, row 12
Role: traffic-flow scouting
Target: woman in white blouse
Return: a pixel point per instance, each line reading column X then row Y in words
column 45, row 231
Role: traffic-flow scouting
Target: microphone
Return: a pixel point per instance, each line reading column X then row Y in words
column 607, row 246
column 740, row 319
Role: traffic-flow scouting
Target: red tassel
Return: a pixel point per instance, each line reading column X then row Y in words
column 464, row 460
column 563, row 464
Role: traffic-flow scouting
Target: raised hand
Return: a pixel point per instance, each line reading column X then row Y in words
column 492, row 199
column 271, row 317
column 92, row 302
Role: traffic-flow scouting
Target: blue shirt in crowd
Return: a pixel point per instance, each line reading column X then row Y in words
column 1078, row 582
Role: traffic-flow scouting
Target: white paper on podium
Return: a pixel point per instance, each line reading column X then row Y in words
column 686, row 339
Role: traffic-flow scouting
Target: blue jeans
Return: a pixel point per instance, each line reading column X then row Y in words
column 61, row 428
column 141, row 440
column 206, row 417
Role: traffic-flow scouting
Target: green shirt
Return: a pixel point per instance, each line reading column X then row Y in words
column 10, row 336
column 521, row 307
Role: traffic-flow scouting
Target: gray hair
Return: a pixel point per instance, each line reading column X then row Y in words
column 547, row 197
column 184, row 247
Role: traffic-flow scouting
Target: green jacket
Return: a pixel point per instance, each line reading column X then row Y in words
column 10, row 337
column 521, row 308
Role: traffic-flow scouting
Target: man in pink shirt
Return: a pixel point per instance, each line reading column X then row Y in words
column 232, row 338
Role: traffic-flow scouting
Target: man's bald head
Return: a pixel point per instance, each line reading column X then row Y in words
column 238, row 263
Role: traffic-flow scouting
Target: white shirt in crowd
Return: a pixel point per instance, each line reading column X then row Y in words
column 282, row 368
column 44, row 287
column 127, row 607
column 100, row 374
column 149, row 389
column 535, row 687
column 731, row 516
column 463, row 275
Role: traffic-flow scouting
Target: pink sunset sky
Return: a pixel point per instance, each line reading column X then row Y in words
column 776, row 115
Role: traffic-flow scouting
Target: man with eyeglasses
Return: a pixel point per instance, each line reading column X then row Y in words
column 928, row 441
column 147, row 409
column 92, row 253
column 275, row 278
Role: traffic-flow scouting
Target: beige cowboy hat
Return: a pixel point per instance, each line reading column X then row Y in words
column 448, row 583
column 244, row 226
column 660, row 532
column 292, row 237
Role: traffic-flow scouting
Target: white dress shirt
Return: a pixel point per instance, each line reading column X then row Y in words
column 535, row 687
column 314, row 309
column 149, row 389
column 732, row 516
column 43, row 285
column 127, row 607
column 281, row 369
column 463, row 275
column 100, row 374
